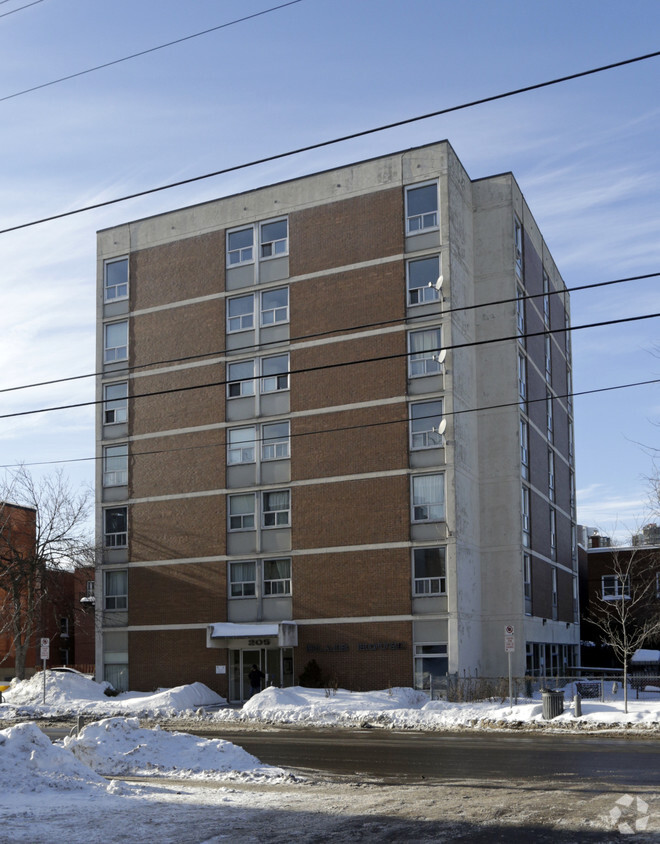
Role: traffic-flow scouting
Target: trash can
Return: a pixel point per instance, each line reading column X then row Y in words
column 553, row 703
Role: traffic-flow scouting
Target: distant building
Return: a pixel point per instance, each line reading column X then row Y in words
column 649, row 535
column 335, row 424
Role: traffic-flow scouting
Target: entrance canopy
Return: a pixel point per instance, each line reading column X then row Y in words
column 226, row 634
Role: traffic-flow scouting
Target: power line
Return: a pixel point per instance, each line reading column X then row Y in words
column 321, row 144
column 318, row 334
column 141, row 52
column 20, row 8
column 329, row 366
column 342, row 428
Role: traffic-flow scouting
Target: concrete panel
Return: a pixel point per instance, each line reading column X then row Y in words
column 276, row 269
column 276, row 609
column 239, row 409
column 240, row 341
column 241, row 542
column 417, row 242
column 276, row 540
column 242, row 609
column 276, row 472
column 428, row 605
column 275, row 404
column 115, row 493
column 238, row 277
column 431, row 631
column 245, row 474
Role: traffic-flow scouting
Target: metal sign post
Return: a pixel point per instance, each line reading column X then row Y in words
column 45, row 655
column 509, row 648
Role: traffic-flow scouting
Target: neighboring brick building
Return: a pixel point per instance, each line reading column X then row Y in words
column 60, row 615
column 289, row 467
column 608, row 573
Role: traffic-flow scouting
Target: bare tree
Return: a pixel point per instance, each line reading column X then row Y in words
column 626, row 610
column 61, row 539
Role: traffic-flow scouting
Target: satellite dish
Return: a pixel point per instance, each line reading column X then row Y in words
column 441, row 356
column 439, row 283
column 442, row 427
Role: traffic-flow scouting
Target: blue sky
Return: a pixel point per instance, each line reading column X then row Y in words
column 585, row 154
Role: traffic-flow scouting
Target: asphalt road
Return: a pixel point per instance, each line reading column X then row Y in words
column 432, row 757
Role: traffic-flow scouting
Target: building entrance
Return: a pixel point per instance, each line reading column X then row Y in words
column 276, row 663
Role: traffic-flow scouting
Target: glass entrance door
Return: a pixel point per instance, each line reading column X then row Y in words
column 276, row 663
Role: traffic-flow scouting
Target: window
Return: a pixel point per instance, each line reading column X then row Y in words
column 429, row 574
column 425, row 419
column 424, row 352
column 518, row 246
column 553, row 533
column 275, row 374
column 525, row 517
column 422, row 277
column 421, row 208
column 116, row 342
column 527, row 581
column 524, row 448
column 522, row 380
column 276, row 508
column 549, row 418
column 240, row 313
column 116, row 590
column 240, row 247
column 275, row 306
column 90, row 588
column 240, row 379
column 555, row 595
column 569, row 389
column 520, row 314
column 274, row 239
column 428, row 498
column 115, row 403
column 64, row 627
column 551, row 474
column 570, row 440
column 615, row 587
column 657, row 584
column 241, row 511
column 576, row 601
column 548, row 358
column 241, row 445
column 571, row 484
column 277, row 577
column 546, row 299
column 115, row 281
column 115, row 465
column 115, row 529
column 431, row 666
column 242, row 580
column 275, row 441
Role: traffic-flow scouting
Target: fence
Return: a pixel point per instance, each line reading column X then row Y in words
column 527, row 689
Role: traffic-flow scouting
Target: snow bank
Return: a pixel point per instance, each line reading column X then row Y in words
column 120, row 747
column 29, row 762
column 72, row 694
column 400, row 708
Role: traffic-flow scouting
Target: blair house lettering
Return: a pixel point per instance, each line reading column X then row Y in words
column 362, row 646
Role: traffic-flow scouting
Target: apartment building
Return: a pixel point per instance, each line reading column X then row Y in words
column 334, row 425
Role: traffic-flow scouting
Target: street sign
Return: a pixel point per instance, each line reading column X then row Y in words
column 45, row 648
column 509, row 644
column 508, row 630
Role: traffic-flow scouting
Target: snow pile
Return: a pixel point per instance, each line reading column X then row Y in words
column 120, row 747
column 73, row 694
column 29, row 762
column 321, row 706
column 399, row 708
